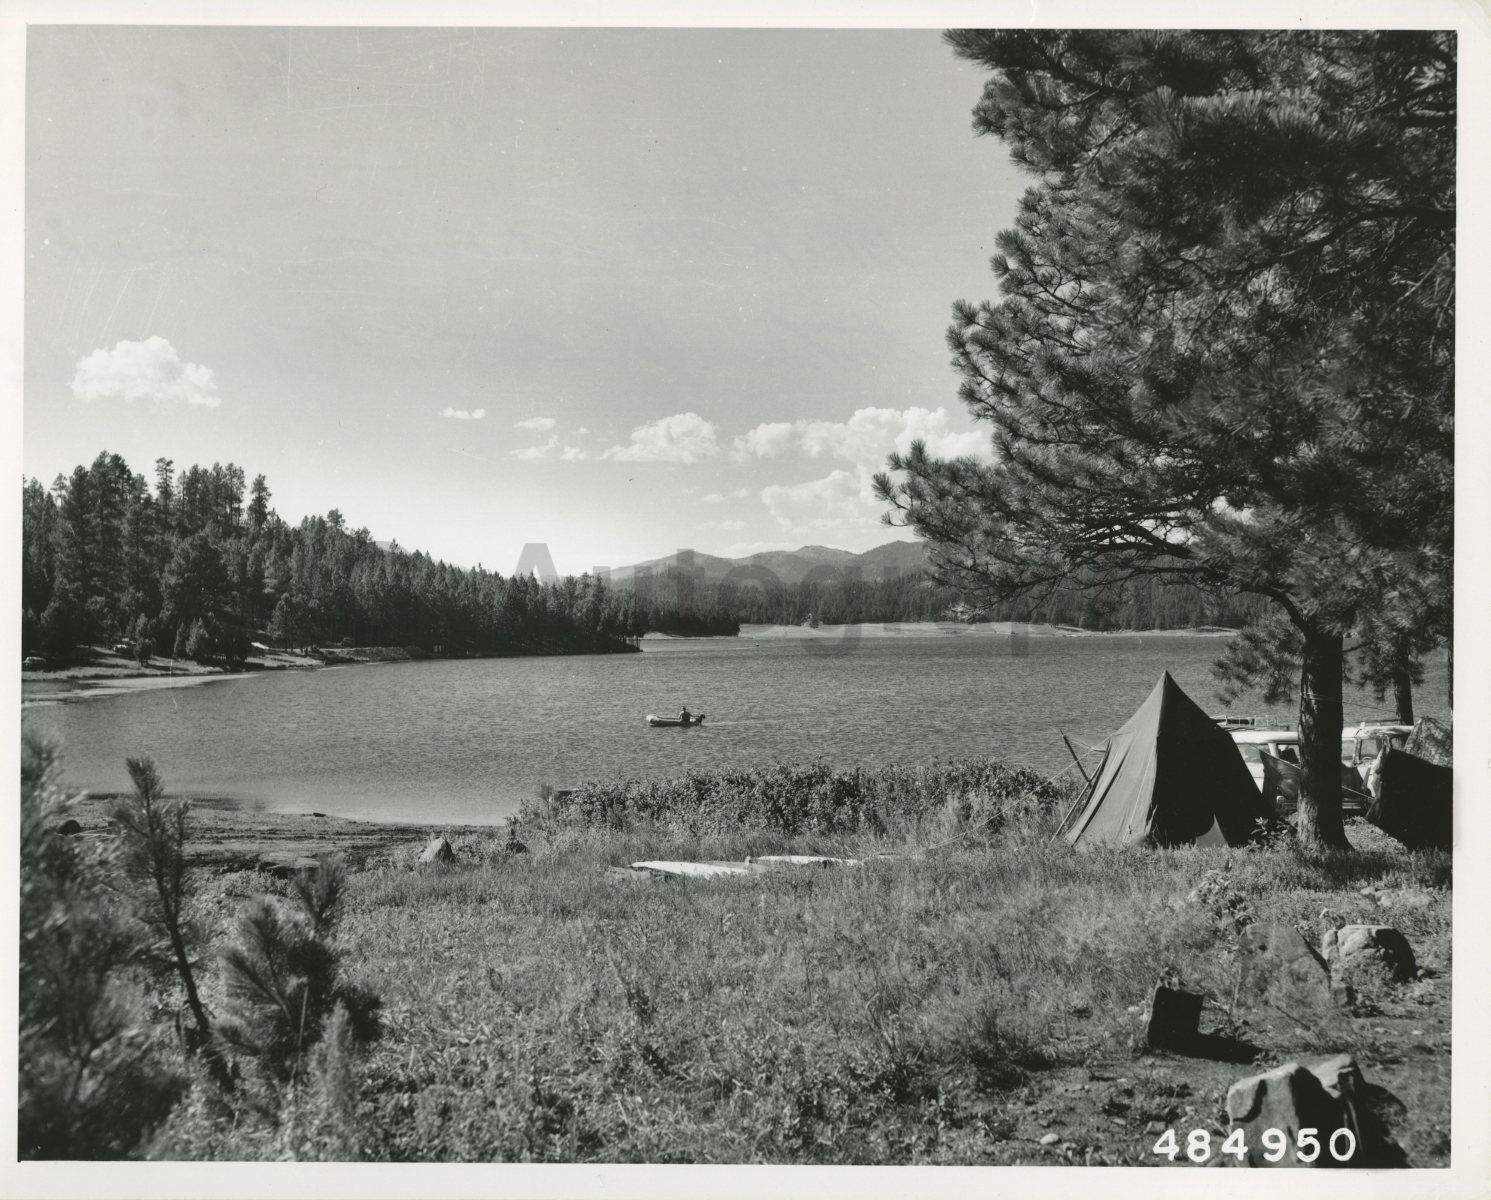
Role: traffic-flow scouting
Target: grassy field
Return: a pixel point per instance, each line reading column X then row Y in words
column 975, row 989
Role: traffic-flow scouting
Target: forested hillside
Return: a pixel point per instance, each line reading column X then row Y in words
column 202, row 566
column 835, row 596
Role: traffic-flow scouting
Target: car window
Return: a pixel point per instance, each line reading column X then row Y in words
column 1287, row 753
column 1249, row 752
column 1371, row 747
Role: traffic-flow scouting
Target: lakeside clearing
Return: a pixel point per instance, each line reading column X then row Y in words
column 959, row 1002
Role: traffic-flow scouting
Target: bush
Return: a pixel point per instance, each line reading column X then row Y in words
column 91, row 1075
column 198, row 643
column 284, row 982
column 808, row 799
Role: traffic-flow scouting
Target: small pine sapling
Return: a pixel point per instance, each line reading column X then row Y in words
column 283, row 977
column 153, row 834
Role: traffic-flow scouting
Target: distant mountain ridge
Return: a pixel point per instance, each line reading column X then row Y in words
column 789, row 566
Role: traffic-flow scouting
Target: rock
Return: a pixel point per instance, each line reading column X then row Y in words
column 1155, row 1128
column 1410, row 898
column 438, row 850
column 1050, row 1139
column 1371, row 954
column 1288, row 1098
column 1280, row 968
column 1174, row 1018
column 69, row 828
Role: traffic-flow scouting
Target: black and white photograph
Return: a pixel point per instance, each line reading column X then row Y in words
column 616, row 593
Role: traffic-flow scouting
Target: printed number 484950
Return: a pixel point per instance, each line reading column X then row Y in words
column 1341, row 1145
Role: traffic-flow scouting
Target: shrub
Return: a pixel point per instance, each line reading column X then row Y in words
column 808, row 799
column 198, row 643
column 283, row 978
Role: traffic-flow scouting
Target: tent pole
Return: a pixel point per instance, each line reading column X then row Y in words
column 1075, row 759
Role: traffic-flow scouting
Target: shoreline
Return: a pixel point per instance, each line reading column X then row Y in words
column 108, row 674
column 111, row 674
column 920, row 629
column 226, row 835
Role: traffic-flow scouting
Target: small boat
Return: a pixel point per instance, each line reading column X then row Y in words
column 660, row 722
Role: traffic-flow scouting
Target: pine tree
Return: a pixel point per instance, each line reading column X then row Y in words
column 92, row 1078
column 1224, row 348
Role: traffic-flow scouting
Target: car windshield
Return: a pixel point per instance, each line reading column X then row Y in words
column 1249, row 753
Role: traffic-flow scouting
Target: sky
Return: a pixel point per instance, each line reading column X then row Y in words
column 620, row 291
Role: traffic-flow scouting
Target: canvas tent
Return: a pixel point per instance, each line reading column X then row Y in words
column 1170, row 776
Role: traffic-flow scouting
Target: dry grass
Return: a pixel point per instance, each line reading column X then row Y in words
column 938, row 1007
column 943, row 1005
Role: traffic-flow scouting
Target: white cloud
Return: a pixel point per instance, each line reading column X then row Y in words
column 532, row 452
column 764, row 441
column 732, row 524
column 712, row 498
column 542, row 424
column 464, row 414
column 574, row 454
column 683, row 437
column 866, row 437
column 148, row 370
column 838, row 499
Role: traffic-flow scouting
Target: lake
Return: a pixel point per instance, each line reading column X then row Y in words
column 466, row 741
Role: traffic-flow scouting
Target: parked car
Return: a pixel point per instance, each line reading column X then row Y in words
column 1253, row 742
column 33, row 662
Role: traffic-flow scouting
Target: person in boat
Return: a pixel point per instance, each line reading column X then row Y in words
column 683, row 717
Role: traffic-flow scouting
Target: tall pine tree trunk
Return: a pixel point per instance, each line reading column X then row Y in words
column 1403, row 690
column 1320, row 719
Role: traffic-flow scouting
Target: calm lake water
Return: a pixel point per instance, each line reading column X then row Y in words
column 466, row 741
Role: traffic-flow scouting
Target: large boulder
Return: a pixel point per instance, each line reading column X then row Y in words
column 438, row 850
column 1328, row 1096
column 1367, row 954
column 1279, row 968
column 1287, row 1099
